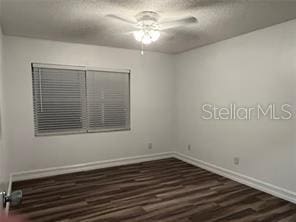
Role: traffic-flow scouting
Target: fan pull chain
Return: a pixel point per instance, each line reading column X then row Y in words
column 142, row 49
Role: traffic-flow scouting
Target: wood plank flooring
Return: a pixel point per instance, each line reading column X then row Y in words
column 166, row 190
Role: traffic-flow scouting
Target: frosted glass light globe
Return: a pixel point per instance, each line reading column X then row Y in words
column 146, row 40
column 154, row 34
column 138, row 35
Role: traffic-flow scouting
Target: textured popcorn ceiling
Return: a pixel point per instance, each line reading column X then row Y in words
column 84, row 21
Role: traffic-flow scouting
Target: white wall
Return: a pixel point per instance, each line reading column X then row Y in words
column 151, row 104
column 259, row 67
column 3, row 152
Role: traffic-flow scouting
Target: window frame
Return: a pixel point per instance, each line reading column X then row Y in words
column 85, row 69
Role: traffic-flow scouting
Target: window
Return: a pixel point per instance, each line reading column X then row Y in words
column 79, row 100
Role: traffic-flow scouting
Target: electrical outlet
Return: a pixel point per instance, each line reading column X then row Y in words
column 189, row 147
column 149, row 146
column 236, row 160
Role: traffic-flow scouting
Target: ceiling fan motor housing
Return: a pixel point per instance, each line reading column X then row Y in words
column 148, row 18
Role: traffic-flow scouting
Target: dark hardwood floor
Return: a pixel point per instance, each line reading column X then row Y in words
column 166, row 190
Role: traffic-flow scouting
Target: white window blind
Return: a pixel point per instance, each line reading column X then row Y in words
column 107, row 100
column 69, row 100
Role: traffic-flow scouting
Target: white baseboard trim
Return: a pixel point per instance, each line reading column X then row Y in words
column 243, row 179
column 53, row 171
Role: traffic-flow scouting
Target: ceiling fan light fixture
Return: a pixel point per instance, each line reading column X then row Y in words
column 146, row 36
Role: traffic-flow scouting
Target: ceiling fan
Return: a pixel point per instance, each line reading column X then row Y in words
column 148, row 27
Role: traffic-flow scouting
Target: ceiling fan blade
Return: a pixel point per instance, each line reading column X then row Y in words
column 121, row 19
column 179, row 22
